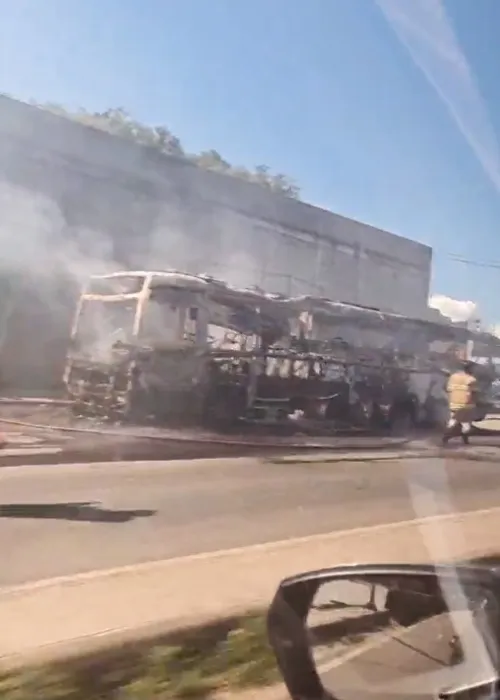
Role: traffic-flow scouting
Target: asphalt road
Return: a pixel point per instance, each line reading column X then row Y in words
column 402, row 663
column 67, row 519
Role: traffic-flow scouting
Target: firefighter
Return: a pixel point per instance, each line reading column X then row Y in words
column 462, row 389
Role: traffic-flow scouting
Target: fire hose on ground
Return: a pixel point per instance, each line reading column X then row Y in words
column 183, row 436
column 332, row 443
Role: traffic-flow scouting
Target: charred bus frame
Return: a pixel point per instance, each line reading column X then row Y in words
column 303, row 363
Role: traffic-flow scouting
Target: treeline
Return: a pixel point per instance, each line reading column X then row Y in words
column 120, row 123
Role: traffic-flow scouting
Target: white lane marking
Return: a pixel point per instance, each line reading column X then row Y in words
column 444, row 677
column 362, row 648
column 28, row 452
column 262, row 547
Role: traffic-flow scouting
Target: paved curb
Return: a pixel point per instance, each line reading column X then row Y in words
column 372, row 456
column 54, row 456
column 469, row 453
column 152, row 450
column 142, row 450
column 58, row 455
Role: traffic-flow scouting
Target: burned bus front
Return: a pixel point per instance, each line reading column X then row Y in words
column 97, row 372
column 137, row 346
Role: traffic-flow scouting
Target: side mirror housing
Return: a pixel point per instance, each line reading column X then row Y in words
column 386, row 631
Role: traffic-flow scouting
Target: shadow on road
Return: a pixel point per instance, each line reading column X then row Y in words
column 85, row 512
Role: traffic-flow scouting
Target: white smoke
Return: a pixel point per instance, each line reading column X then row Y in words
column 424, row 29
column 454, row 309
column 35, row 239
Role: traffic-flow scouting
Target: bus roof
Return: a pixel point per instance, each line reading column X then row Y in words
column 177, row 278
column 320, row 306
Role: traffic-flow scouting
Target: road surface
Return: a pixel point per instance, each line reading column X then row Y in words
column 68, row 519
column 406, row 663
column 396, row 660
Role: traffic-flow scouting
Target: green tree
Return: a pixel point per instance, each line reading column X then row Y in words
column 212, row 160
column 118, row 121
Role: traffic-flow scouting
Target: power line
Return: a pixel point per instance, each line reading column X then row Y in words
column 454, row 257
column 474, row 263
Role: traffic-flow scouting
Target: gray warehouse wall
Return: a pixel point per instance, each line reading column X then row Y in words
column 77, row 200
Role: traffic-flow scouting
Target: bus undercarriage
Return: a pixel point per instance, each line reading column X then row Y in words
column 226, row 392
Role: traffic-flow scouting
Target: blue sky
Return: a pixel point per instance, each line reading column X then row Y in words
column 324, row 90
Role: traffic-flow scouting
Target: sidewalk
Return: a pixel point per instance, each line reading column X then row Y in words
column 69, row 615
column 489, row 423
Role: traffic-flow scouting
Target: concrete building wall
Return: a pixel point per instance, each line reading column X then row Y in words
column 85, row 200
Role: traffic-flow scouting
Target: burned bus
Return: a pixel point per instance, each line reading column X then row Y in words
column 183, row 349
column 167, row 345
column 395, row 367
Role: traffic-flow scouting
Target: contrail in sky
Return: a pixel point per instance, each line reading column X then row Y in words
column 424, row 29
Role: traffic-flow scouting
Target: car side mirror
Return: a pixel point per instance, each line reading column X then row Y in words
column 386, row 631
column 487, row 690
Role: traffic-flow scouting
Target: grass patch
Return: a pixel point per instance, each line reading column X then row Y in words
column 229, row 655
